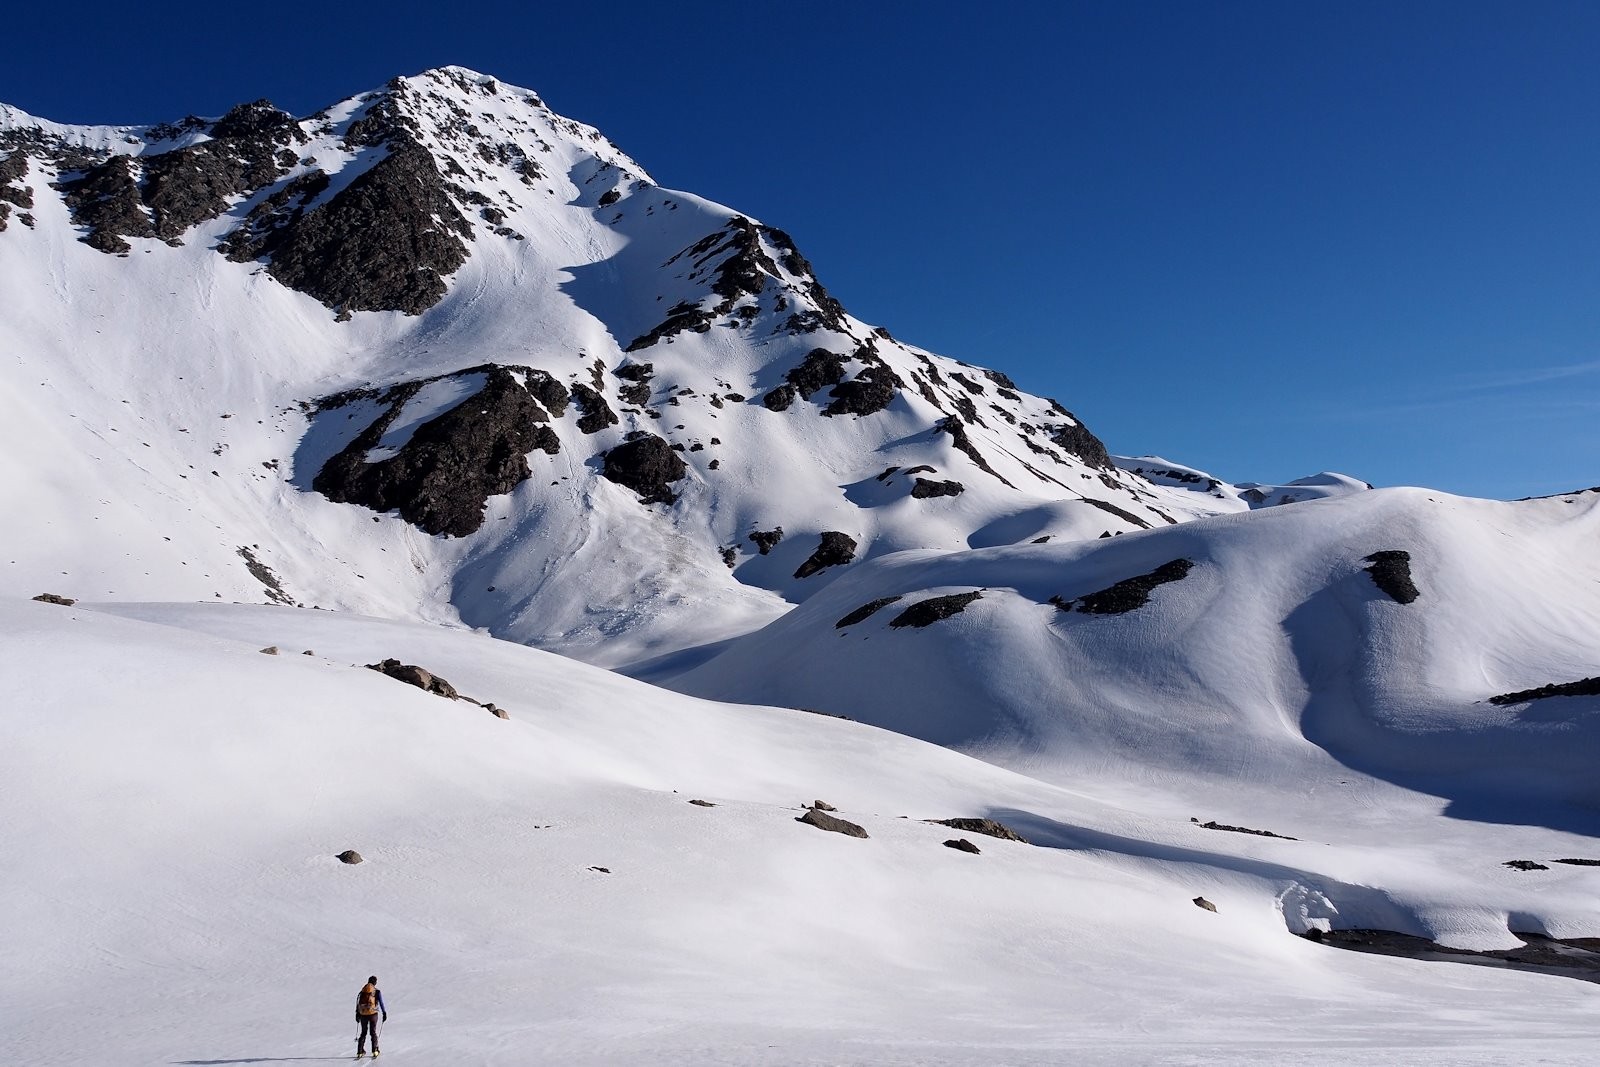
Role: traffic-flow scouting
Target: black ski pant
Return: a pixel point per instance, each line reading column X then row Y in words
column 369, row 1025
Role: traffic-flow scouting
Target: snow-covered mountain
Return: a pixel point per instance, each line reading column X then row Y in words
column 437, row 352
column 437, row 360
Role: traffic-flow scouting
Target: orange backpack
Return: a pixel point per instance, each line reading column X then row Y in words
column 367, row 1000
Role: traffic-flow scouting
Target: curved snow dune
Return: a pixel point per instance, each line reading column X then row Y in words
column 174, row 800
column 1276, row 648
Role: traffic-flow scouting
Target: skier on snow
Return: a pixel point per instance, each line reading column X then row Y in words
column 369, row 1005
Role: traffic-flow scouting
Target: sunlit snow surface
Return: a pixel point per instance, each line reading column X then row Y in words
column 175, row 800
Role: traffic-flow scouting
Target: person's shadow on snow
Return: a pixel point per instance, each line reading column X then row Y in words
column 259, row 1059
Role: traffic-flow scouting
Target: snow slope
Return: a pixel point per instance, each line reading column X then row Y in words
column 172, row 817
column 168, row 406
column 1277, row 662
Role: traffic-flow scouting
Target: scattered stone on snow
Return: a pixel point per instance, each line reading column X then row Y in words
column 1524, row 865
column 51, row 598
column 497, row 712
column 702, row 803
column 349, row 855
column 815, row 817
column 961, row 844
column 1580, row 862
column 601, row 870
column 927, row 612
column 270, row 650
column 1202, row 902
column 1391, row 572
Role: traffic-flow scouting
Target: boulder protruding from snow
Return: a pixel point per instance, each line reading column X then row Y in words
column 51, row 598
column 821, row 805
column 647, row 465
column 866, row 611
column 814, row 817
column 1202, row 902
column 961, row 844
column 411, row 674
column 350, row 856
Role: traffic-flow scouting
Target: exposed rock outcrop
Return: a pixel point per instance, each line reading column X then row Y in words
column 442, row 478
column 927, row 612
column 866, row 611
column 1583, row 687
column 1129, row 594
column 648, row 466
column 1391, row 572
column 835, row 550
column 925, row 489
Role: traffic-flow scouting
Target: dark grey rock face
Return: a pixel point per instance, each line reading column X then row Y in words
column 927, row 612
column 866, row 611
column 820, row 369
column 637, row 390
column 1391, row 572
column 597, row 414
column 106, row 200
column 780, row 398
column 13, row 169
column 386, row 242
column 443, row 477
column 924, row 489
column 1130, row 593
column 988, row 827
column 165, row 194
column 648, row 466
column 835, row 550
column 822, row 821
column 1081, row 443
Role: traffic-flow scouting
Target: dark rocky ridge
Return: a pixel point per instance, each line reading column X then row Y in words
column 442, row 478
column 165, row 194
column 1391, row 572
column 1130, row 593
column 866, row 611
column 927, row 612
column 1584, row 687
column 835, row 550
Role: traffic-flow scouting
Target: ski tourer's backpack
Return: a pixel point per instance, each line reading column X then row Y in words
column 367, row 1000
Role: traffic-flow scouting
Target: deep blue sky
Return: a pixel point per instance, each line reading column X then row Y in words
column 1262, row 238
